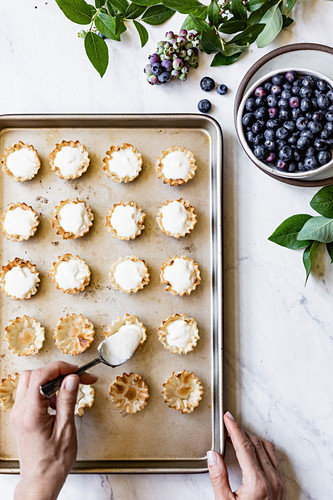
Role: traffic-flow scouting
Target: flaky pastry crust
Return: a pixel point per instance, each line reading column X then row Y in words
column 19, row 263
column 55, row 220
column 196, row 279
column 126, row 320
column 180, row 181
column 66, row 258
column 16, row 237
column 71, row 144
column 25, row 336
column 8, row 388
column 163, row 334
column 12, row 149
column 73, row 334
column 191, row 217
column 116, row 286
column 108, row 155
column 140, row 222
column 85, row 399
column 182, row 391
column 129, row 393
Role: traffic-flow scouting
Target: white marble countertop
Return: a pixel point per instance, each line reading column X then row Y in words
column 279, row 341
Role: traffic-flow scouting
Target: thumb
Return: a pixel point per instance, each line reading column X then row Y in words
column 66, row 399
column 218, row 475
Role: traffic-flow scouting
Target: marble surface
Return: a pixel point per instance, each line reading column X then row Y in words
column 279, row 341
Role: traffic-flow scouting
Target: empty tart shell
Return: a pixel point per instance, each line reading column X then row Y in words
column 187, row 172
column 168, row 276
column 135, row 217
column 66, row 283
column 129, row 393
column 33, row 158
column 128, row 175
column 73, row 334
column 127, row 320
column 86, row 216
column 138, row 271
column 182, row 339
column 84, row 160
column 85, row 399
column 187, row 218
column 25, row 336
column 8, row 388
column 182, row 391
column 30, row 226
column 27, row 272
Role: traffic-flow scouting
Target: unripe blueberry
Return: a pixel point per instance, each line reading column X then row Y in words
column 175, row 73
column 177, row 64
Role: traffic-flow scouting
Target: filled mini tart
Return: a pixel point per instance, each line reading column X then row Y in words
column 125, row 220
column 129, row 274
column 182, row 391
column 19, row 279
column 19, row 222
column 69, row 159
column 72, row 219
column 126, row 336
column 20, row 162
column 129, row 393
column 181, row 275
column 73, row 334
column 25, row 336
column 8, row 388
column 122, row 163
column 176, row 218
column 175, row 166
column 70, row 274
column 85, row 399
column 179, row 333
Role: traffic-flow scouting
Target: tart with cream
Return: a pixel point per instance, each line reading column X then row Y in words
column 175, row 166
column 73, row 334
column 129, row 393
column 70, row 274
column 125, row 220
column 69, row 159
column 179, row 334
column 72, row 219
column 176, row 218
column 129, row 274
column 19, row 222
column 19, row 279
column 85, row 399
column 126, row 336
column 182, row 391
column 8, row 389
column 25, row 336
column 122, row 163
column 21, row 162
column 181, row 275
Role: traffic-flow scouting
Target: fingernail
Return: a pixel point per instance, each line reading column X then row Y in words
column 228, row 414
column 71, row 383
column 211, row 457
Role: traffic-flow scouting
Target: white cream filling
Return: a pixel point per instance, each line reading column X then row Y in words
column 179, row 333
column 19, row 222
column 180, row 275
column 69, row 160
column 174, row 217
column 124, row 163
column 18, row 282
column 85, row 396
column 23, row 163
column 125, row 220
column 71, row 274
column 74, row 218
column 129, row 274
column 176, row 165
column 121, row 346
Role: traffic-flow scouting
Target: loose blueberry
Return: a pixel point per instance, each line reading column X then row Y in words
column 330, row 95
column 317, row 116
column 300, row 166
column 295, row 90
column 296, row 113
column 314, row 103
column 329, row 116
column 329, row 127
column 272, row 123
column 283, row 103
column 322, row 85
column 324, row 157
column 222, row 89
column 248, row 119
column 298, row 154
column 284, row 114
column 250, row 136
column 287, row 86
column 271, row 157
column 309, row 81
column 204, row 106
column 325, row 134
column 261, row 113
column 289, row 125
column 286, row 94
column 270, row 144
column 260, row 101
column 292, row 140
column 257, row 127
column 294, row 102
column 292, row 167
column 310, row 151
column 268, row 86
column 269, row 134
column 258, row 139
column 310, row 163
column 308, row 134
column 306, row 104
column 207, row 84
column 303, row 142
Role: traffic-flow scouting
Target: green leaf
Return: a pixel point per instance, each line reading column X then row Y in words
column 182, row 6
column 290, row 4
column 308, row 258
column 134, row 11
column 221, row 59
column 329, row 247
column 273, row 21
column 120, row 25
column 322, row 202
column 287, row 21
column 189, row 23
column 97, row 52
column 99, row 3
column 111, row 9
column 78, row 11
column 233, row 26
column 201, row 25
column 317, row 228
column 213, row 12
column 210, row 42
column 257, row 15
column 147, row 3
column 120, row 5
column 157, row 14
column 143, row 33
column 238, row 9
column 249, row 35
column 287, row 232
column 107, row 26
column 253, row 5
column 233, row 48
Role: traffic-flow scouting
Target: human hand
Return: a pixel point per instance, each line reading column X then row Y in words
column 47, row 443
column 261, row 475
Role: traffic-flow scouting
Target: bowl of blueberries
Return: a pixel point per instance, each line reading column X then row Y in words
column 285, row 123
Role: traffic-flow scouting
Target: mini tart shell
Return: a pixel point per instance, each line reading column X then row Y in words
column 192, row 218
column 129, row 393
column 53, row 271
column 73, row 334
column 71, row 144
column 114, row 284
column 25, row 336
column 108, row 155
column 140, row 223
column 55, row 220
column 126, row 320
column 168, row 287
column 19, row 263
column 182, row 391
column 175, row 182
column 84, row 401
column 163, row 334
column 7, row 392
column 12, row 149
column 16, row 237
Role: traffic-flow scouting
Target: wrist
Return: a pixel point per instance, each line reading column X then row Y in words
column 38, row 489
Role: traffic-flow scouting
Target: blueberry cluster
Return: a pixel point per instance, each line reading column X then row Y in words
column 288, row 122
column 173, row 57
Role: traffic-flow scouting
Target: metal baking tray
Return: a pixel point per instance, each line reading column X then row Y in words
column 158, row 439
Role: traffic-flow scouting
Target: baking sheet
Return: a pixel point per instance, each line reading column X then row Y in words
column 158, row 437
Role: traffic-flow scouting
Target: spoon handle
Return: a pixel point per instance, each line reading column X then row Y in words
column 50, row 388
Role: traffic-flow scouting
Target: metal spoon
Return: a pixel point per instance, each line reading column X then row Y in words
column 50, row 388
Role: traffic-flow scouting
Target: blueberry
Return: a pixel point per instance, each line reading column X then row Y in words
column 286, row 153
column 306, row 104
column 329, row 127
column 300, row 166
column 315, row 127
column 286, row 94
column 270, row 145
column 330, row 95
column 289, row 125
column 271, row 157
column 303, row 142
column 310, row 151
column 260, row 152
column 281, row 165
column 290, row 76
column 167, row 65
column 268, row 86
column 248, row 118
column 323, row 101
column 320, row 144
column 301, row 123
column 153, row 80
column 317, row 116
column 296, row 113
column 257, row 127
column 292, row 140
column 222, row 89
column 325, row 134
column 272, row 101
column 250, row 104
column 260, row 101
column 269, row 134
column 324, row 157
column 314, row 103
column 272, row 112
column 295, row 91
column 298, row 154
column 280, row 143
column 261, row 113
column 294, row 102
column 308, row 134
column 276, row 89
column 284, row 114
column 282, row 133
column 164, row 77
column 310, row 163
column 258, row 139
column 207, row 84
column 272, row 123
column 287, row 86
column 250, row 136
column 154, row 58
column 292, row 167
column 156, row 68
column 260, row 92
column 100, row 35
column 330, row 143
column 329, row 116
column 278, row 79
column 305, row 92
column 283, row 103
column 322, row 85
column 205, row 106
column 309, row 81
